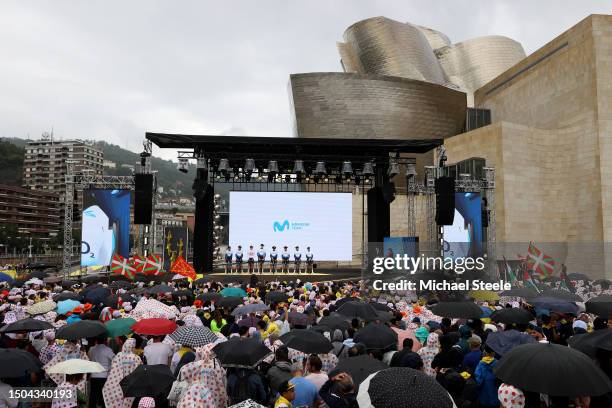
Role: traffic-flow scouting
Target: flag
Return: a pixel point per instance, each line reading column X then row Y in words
column 528, row 282
column 123, row 266
column 153, row 265
column 182, row 267
column 566, row 280
column 139, row 263
column 509, row 273
column 539, row 262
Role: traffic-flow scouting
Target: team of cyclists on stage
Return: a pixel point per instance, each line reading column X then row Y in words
column 255, row 260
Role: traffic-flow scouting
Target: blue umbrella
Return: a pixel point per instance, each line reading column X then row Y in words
column 237, row 292
column 5, row 278
column 66, row 306
column 554, row 305
column 503, row 342
column 486, row 311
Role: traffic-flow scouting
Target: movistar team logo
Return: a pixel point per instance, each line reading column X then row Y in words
column 281, row 227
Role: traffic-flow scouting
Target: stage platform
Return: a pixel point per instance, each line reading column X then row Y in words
column 339, row 274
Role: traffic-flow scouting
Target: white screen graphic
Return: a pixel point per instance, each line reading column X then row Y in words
column 322, row 221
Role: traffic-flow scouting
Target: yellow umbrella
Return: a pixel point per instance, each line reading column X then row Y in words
column 76, row 366
column 484, row 295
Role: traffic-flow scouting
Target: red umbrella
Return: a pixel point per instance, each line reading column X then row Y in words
column 154, row 327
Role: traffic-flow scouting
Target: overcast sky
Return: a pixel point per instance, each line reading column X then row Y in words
column 114, row 69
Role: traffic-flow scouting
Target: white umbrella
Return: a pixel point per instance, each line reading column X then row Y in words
column 76, row 366
column 34, row 281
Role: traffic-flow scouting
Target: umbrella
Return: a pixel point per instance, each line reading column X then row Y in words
column 81, row 330
column 68, row 283
column 92, row 278
column 589, row 343
column 578, row 276
column 342, row 301
column 358, row 367
column 97, row 296
column 247, row 404
column 38, row 274
column 178, row 277
column 554, row 305
column 248, row 321
column 147, row 381
column 120, row 284
column 15, row 363
column 503, row 342
column 41, row 307
column 154, row 327
column 234, row 292
column 66, row 306
column 561, row 295
column 76, row 366
column 381, row 307
column 520, row 292
column 229, row 302
column 136, row 291
column 552, row 279
column 160, row 289
column 199, row 281
column 307, row 341
column 602, row 282
column 465, row 310
column 26, row 325
column 376, row 336
column 119, row 327
column 600, row 305
column 334, row 321
column 52, row 279
column 6, row 278
column 183, row 292
column 66, row 296
column 194, row 336
column 402, row 387
column 34, row 281
column 512, row 316
column 112, row 300
column 483, row 295
column 250, row 308
column 486, row 311
column 298, row 319
column 553, row 370
column 209, row 297
column 277, row 297
column 237, row 352
column 357, row 309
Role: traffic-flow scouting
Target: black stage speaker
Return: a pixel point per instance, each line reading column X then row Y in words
column 203, row 234
column 445, row 200
column 379, row 213
column 143, row 198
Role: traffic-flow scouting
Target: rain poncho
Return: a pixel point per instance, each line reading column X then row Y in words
column 427, row 353
column 68, row 351
column 207, row 381
column 123, row 364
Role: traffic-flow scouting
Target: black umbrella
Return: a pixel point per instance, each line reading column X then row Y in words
column 457, row 310
column 342, row 301
column 520, row 292
column 512, row 316
column 112, row 300
column 250, row 308
column 209, row 297
column 376, row 336
column 503, row 342
column 67, row 295
column 81, row 330
column 38, row 274
column 276, row 297
column 335, row 321
column 297, row 318
column 237, row 352
column 26, row 325
column 358, row 367
column 402, row 387
column 136, row 291
column 589, row 343
column 561, row 295
column 92, row 278
column 554, row 305
column 229, row 302
column 600, row 305
column 553, row 370
column 552, row 279
column 183, row 292
column 15, row 363
column 307, row 341
column 97, row 296
column 602, row 282
column 161, row 288
column 381, row 307
column 120, row 284
column 357, row 309
column 248, row 321
column 68, row 283
column 118, row 278
column 147, row 381
column 578, row 276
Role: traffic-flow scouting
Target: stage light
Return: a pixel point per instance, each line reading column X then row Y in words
column 183, row 165
column 223, row 166
column 320, row 169
column 249, row 166
column 347, row 169
column 273, row 167
column 393, row 168
column 298, row 167
column 368, row 169
column 411, row 170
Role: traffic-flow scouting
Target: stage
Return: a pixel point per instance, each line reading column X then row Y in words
column 336, row 274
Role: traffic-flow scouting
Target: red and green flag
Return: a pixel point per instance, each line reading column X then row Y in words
column 539, row 262
column 123, row 266
column 153, row 265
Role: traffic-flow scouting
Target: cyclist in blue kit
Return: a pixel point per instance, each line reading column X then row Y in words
column 261, row 258
column 285, row 258
column 309, row 260
column 273, row 259
column 297, row 260
column 228, row 259
column 239, row 256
